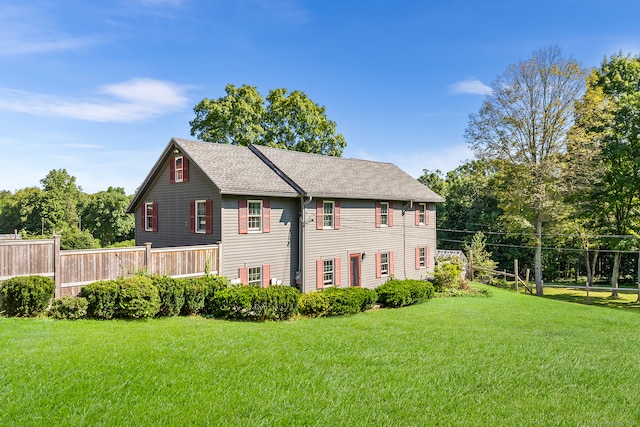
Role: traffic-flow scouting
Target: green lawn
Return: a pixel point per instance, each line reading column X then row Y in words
column 508, row 360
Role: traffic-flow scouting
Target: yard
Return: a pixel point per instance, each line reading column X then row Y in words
column 505, row 360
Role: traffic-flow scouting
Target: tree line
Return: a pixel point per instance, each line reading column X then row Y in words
column 555, row 181
column 59, row 206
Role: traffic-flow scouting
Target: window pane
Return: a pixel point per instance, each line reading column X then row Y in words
column 328, row 214
column 255, row 275
column 255, row 214
column 328, row 272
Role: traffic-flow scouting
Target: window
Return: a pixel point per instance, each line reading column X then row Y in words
column 255, row 215
column 422, row 257
column 201, row 216
column 384, row 214
column 422, row 213
column 255, row 276
column 179, row 169
column 384, row 263
column 149, row 216
column 327, row 278
column 327, row 217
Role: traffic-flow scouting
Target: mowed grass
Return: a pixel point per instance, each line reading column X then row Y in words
column 509, row 359
column 627, row 297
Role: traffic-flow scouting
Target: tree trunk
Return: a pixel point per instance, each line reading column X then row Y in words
column 615, row 273
column 537, row 263
column 589, row 271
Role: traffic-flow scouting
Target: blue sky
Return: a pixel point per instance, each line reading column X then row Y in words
column 99, row 88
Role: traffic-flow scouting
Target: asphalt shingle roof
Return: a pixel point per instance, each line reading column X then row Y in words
column 235, row 170
column 325, row 176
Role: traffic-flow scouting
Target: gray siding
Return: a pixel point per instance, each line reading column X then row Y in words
column 174, row 210
column 278, row 248
column 358, row 234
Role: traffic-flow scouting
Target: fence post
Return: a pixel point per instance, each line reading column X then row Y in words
column 57, row 270
column 219, row 258
column 471, row 265
column 147, row 257
column 515, row 270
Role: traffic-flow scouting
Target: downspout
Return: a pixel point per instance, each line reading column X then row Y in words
column 406, row 206
column 301, row 242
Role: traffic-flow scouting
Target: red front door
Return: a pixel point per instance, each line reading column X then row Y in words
column 354, row 270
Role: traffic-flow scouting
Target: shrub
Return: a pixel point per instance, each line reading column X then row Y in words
column 366, row 298
column 171, row 293
column 26, row 295
column 234, row 303
column 343, row 301
column 211, row 285
column 314, row 304
column 138, row 298
column 195, row 293
column 102, row 297
column 448, row 274
column 275, row 303
column 398, row 293
column 69, row 307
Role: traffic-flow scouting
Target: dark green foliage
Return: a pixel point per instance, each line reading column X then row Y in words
column 69, row 307
column 102, row 297
column 314, row 304
column 138, row 298
column 234, row 303
column 253, row 303
column 26, row 295
column 211, row 285
column 195, row 293
column 276, row 303
column 398, row 293
column 448, row 274
column 171, row 292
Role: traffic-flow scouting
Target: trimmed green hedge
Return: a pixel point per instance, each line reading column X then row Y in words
column 398, row 293
column 253, row 303
column 26, row 295
column 171, row 293
column 337, row 301
column 102, row 297
column 130, row 297
column 69, row 307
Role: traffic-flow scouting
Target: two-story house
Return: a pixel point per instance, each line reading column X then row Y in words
column 302, row 219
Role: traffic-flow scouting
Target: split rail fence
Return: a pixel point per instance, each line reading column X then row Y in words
column 72, row 269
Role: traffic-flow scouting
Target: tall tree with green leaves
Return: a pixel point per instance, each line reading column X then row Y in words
column 105, row 216
column 604, row 154
column 288, row 120
column 521, row 127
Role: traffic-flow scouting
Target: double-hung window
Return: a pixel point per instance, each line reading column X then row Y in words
column 148, row 216
column 328, row 273
column 384, row 264
column 327, row 217
column 201, row 216
column 422, row 214
column 422, row 257
column 384, row 214
column 179, row 169
column 255, row 276
column 255, row 215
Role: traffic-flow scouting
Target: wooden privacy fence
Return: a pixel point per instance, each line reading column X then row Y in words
column 76, row 268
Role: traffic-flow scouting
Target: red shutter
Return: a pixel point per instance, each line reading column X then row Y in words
column 418, row 258
column 172, row 170
column 319, row 274
column 209, row 213
column 378, row 215
column 266, row 216
column 417, row 213
column 426, row 213
column 319, row 215
column 243, row 274
column 427, row 257
column 266, row 275
column 155, row 216
column 378, row 265
column 390, row 221
column 192, row 216
column 336, row 272
column 391, row 264
column 185, row 169
column 243, row 217
column 336, row 215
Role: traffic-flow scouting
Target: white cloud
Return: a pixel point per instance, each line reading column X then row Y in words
column 131, row 101
column 470, row 86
